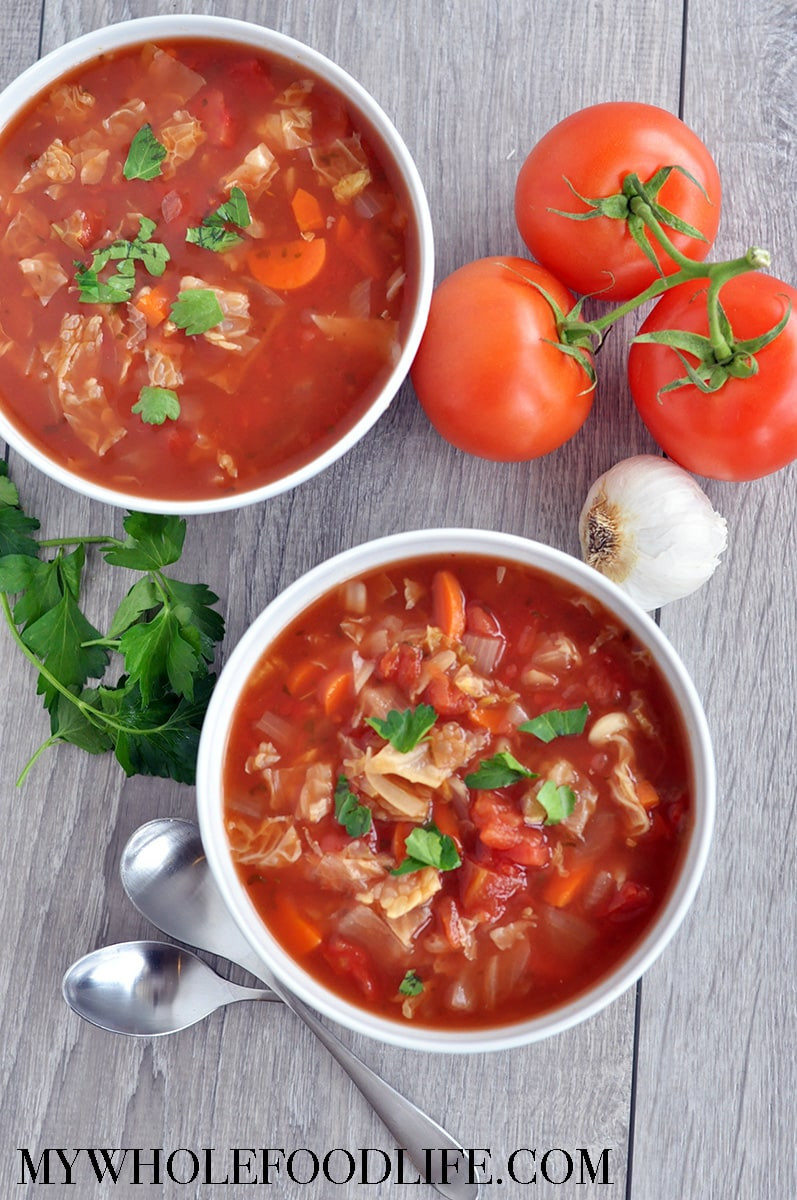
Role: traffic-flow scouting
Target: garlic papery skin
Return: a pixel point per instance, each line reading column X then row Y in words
column 650, row 528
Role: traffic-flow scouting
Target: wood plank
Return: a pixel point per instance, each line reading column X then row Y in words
column 717, row 1078
column 471, row 93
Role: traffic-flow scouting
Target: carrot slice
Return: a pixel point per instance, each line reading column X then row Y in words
column 646, row 794
column 401, row 831
column 154, row 304
column 446, row 821
column 288, row 265
column 302, row 677
column 495, row 717
column 562, row 889
column 448, row 604
column 299, row 932
column 307, row 211
column 334, row 690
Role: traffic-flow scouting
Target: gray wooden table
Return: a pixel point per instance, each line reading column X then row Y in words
column 687, row 1082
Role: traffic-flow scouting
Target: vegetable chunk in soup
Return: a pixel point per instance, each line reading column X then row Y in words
column 202, row 269
column 457, row 791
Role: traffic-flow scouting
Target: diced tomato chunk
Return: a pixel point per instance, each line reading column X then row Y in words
column 629, row 901
column 501, row 827
column 480, row 620
column 211, row 109
column 347, row 959
column 446, row 698
column 487, row 889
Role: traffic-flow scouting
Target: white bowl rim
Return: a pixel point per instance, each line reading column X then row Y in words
column 82, row 49
column 424, row 543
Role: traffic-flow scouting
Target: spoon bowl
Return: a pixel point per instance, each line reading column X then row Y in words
column 148, row 989
column 166, row 877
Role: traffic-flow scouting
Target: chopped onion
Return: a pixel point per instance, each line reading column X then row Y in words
column 486, row 651
column 362, row 670
column 275, row 727
column 355, row 596
column 360, row 299
column 395, row 282
column 368, row 203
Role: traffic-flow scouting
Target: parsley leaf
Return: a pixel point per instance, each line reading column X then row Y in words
column 164, row 632
column 196, row 310
column 499, row 771
column 152, row 542
column 404, row 730
column 142, row 598
column 411, row 985
column 58, row 639
column 117, row 288
column 69, row 724
column 157, row 650
column 160, row 738
column 213, row 233
column 145, row 155
column 558, row 802
column 156, row 405
column 349, row 812
column 557, row 723
column 426, row 846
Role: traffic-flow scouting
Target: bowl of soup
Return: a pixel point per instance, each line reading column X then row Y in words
column 216, row 256
column 456, row 789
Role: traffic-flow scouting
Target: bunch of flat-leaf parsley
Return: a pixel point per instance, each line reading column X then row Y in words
column 163, row 637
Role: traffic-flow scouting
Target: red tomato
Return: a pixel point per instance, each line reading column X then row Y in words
column 486, row 373
column 749, row 427
column 595, row 149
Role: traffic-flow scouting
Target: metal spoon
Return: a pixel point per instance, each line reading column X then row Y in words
column 166, row 876
column 146, row 989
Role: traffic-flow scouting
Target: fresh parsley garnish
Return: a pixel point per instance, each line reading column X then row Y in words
column 557, row 723
column 156, row 405
column 499, row 771
column 196, row 310
column 213, row 233
column 163, row 636
column 118, row 287
column 558, row 801
column 411, row 985
column 145, row 155
column 349, row 812
column 426, row 846
column 404, row 730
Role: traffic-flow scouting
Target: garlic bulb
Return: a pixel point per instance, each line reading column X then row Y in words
column 647, row 525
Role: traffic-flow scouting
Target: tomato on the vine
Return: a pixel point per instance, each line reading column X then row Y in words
column 589, row 155
column 748, row 427
column 488, row 372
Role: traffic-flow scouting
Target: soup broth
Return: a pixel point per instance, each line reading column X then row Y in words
column 202, row 269
column 457, row 791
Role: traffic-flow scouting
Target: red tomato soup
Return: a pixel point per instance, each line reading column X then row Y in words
column 457, row 791
column 202, row 269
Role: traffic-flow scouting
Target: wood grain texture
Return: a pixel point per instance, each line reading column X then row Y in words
column 471, row 88
column 717, row 1077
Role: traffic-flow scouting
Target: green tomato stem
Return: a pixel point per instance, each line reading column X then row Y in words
column 642, row 209
column 717, row 273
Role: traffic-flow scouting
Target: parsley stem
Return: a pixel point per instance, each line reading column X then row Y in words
column 96, row 716
column 53, row 740
column 98, row 540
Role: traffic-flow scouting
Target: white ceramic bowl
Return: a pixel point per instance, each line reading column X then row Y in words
column 394, row 153
column 288, row 605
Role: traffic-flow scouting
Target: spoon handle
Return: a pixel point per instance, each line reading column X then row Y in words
column 448, row 1172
